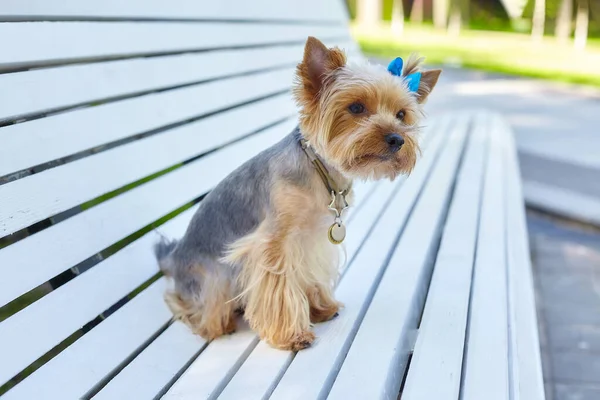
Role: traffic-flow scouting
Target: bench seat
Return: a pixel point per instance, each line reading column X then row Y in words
column 114, row 109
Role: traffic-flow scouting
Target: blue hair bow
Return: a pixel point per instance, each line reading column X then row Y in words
column 413, row 80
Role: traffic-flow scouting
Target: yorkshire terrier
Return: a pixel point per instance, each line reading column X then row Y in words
column 263, row 242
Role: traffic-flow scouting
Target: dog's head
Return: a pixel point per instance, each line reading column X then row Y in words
column 361, row 119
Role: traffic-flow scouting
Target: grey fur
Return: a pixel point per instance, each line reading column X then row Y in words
column 161, row 250
column 233, row 209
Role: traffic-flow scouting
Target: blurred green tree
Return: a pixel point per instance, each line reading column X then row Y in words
column 416, row 12
column 550, row 17
column 440, row 13
column 368, row 12
column 564, row 21
column 398, row 17
column 539, row 20
column 581, row 24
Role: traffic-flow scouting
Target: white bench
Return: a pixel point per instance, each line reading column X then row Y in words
column 107, row 110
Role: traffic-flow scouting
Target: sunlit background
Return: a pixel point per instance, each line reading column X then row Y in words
column 554, row 39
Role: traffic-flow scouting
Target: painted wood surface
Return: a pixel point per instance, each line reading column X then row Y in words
column 486, row 372
column 42, row 43
column 38, row 91
column 438, row 353
column 527, row 381
column 291, row 10
column 86, row 362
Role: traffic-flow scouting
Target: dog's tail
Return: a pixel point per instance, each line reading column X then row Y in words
column 163, row 250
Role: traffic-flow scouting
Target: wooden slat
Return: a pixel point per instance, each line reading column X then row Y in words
column 31, row 332
column 312, row 372
column 44, row 42
column 78, row 368
column 120, row 387
column 526, row 366
column 59, row 247
column 438, row 352
column 51, row 88
column 211, row 371
column 160, row 359
column 34, row 198
column 364, row 220
column 486, row 367
column 310, row 10
column 393, row 313
column 257, row 376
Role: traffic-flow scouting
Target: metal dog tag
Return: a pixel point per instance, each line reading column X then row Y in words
column 337, row 233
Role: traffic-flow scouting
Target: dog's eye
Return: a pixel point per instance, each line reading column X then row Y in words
column 400, row 115
column 356, row 108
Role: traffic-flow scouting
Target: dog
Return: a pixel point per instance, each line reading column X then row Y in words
column 264, row 241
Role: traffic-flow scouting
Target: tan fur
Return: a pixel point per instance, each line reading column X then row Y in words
column 289, row 268
column 323, row 305
column 413, row 64
column 210, row 314
column 319, row 61
column 428, row 78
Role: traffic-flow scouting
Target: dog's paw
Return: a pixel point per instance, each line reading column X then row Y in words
column 230, row 328
column 324, row 314
column 301, row 341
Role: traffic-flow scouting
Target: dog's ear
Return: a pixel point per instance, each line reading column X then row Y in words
column 428, row 82
column 318, row 62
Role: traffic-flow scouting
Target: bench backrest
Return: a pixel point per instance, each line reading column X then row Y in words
column 116, row 117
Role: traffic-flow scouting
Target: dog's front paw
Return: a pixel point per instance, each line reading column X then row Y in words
column 301, row 341
column 297, row 342
column 323, row 314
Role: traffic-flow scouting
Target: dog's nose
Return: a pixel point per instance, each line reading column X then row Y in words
column 394, row 142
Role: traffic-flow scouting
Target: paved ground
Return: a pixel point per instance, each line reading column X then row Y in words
column 567, row 274
column 557, row 132
column 554, row 121
column 565, row 174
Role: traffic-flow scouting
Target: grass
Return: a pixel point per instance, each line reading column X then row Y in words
column 505, row 52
